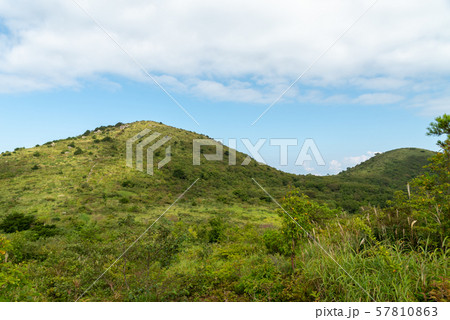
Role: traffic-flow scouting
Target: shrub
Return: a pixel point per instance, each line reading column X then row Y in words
column 107, row 139
column 36, row 154
column 260, row 279
column 124, row 200
column 179, row 173
column 303, row 215
column 241, row 194
column 42, row 230
column 128, row 184
column 16, row 222
column 35, row 167
column 216, row 231
column 275, row 242
column 72, row 144
column 439, row 290
column 78, row 151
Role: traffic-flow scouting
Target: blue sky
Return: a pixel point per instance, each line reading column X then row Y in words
column 375, row 90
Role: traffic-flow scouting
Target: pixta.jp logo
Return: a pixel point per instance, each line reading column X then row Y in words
column 308, row 152
column 142, row 145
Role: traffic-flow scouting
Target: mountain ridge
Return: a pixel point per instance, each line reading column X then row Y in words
column 94, row 162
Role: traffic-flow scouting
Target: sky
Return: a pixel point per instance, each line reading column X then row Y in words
column 356, row 76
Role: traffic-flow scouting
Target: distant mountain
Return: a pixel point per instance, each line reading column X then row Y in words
column 393, row 166
column 372, row 182
column 88, row 173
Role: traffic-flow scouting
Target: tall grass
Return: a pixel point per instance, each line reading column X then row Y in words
column 386, row 272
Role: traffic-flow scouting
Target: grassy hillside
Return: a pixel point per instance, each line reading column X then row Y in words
column 91, row 169
column 385, row 167
column 88, row 174
column 70, row 207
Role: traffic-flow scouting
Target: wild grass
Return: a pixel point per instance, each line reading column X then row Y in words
column 211, row 246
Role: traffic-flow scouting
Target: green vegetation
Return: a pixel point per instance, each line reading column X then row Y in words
column 66, row 219
column 16, row 222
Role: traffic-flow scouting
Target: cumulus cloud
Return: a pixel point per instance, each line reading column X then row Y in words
column 353, row 161
column 232, row 50
column 336, row 166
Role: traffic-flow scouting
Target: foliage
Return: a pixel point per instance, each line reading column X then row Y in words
column 14, row 222
column 179, row 173
column 41, row 230
column 217, row 228
column 224, row 240
column 422, row 216
column 78, row 151
column 300, row 215
column 441, row 126
column 275, row 242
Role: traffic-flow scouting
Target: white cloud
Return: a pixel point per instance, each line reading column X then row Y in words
column 336, row 166
column 378, row 98
column 233, row 50
column 240, row 90
column 353, row 161
column 432, row 105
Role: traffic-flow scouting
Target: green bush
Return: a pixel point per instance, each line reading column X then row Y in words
column 179, row 173
column 107, row 139
column 216, row 231
column 124, row 200
column 42, row 230
column 128, row 184
column 17, row 222
column 241, row 194
column 275, row 242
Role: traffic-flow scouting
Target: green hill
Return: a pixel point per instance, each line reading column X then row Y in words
column 387, row 166
column 371, row 182
column 70, row 207
column 89, row 171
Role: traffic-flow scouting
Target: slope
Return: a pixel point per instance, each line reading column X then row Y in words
column 88, row 173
